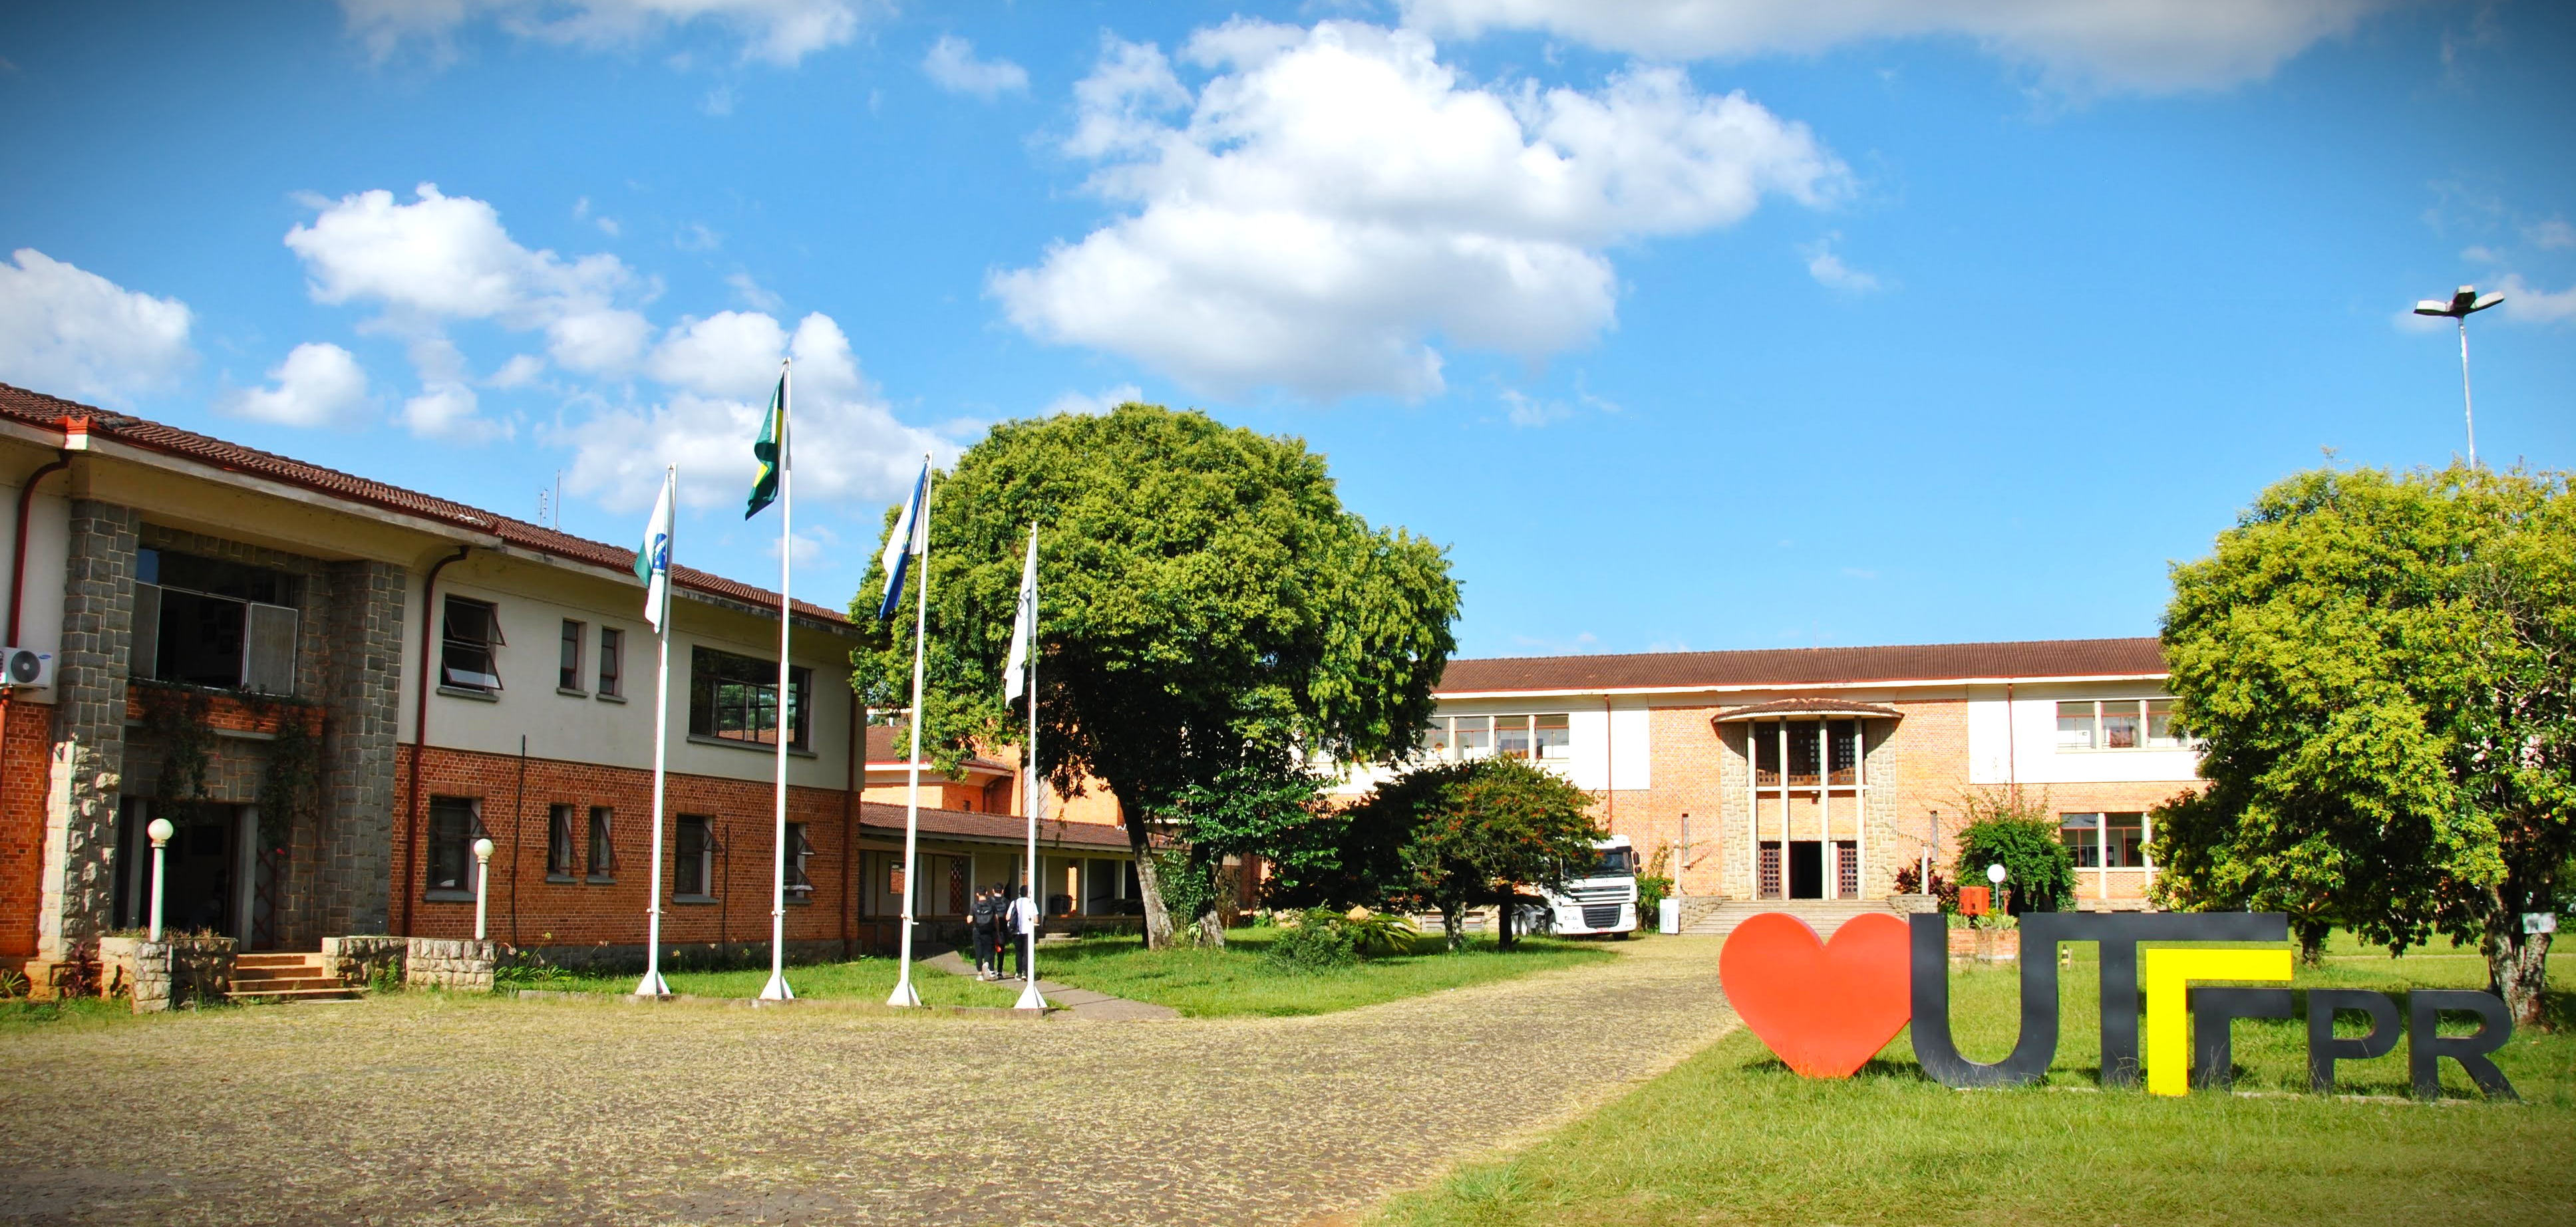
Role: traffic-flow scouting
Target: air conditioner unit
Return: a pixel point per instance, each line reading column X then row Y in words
column 26, row 668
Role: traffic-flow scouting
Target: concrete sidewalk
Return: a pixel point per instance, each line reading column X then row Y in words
column 1081, row 1003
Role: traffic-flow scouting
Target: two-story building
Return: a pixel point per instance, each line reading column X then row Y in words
column 333, row 687
column 1817, row 773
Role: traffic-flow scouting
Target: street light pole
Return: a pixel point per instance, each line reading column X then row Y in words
column 160, row 831
column 2463, row 303
column 482, row 880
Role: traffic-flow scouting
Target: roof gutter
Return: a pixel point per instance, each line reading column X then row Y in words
column 18, row 559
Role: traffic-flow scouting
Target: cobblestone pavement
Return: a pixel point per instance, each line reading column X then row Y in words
column 419, row 1108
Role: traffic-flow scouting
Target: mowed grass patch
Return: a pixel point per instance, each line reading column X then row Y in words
column 1731, row 1136
column 1238, row 980
column 869, row 979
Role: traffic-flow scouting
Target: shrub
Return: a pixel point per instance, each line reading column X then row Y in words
column 1377, row 934
column 1319, row 941
column 2021, row 835
column 1909, row 881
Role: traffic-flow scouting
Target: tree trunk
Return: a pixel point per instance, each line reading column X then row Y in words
column 1503, row 924
column 1149, row 884
column 1211, row 927
column 1453, row 925
column 2517, row 967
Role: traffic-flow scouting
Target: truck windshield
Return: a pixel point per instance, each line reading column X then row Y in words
column 1613, row 862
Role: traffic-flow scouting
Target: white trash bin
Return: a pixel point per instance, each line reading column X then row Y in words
column 1668, row 915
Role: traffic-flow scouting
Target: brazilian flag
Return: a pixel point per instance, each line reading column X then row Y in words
column 771, row 450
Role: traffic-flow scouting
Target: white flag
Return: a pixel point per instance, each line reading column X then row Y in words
column 909, row 539
column 1015, row 667
column 653, row 561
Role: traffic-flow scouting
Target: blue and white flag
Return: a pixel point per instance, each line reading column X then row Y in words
column 653, row 560
column 909, row 540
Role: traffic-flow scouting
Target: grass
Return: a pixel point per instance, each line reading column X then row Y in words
column 21, row 1016
column 1732, row 1136
column 1237, row 980
column 859, row 980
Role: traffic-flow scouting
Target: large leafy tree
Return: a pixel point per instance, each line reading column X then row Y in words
column 1205, row 603
column 2383, row 671
column 1454, row 835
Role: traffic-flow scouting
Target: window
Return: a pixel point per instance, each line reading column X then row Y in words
column 612, row 662
column 1804, row 746
column 1512, row 736
column 2119, row 724
column 208, row 622
column 1842, row 753
column 468, row 658
column 559, row 842
column 798, row 852
column 1474, row 734
column 603, row 852
column 2124, row 841
column 452, row 826
column 735, row 698
column 2082, row 835
column 1435, row 740
column 694, row 876
column 1766, row 754
column 1552, row 737
column 568, row 663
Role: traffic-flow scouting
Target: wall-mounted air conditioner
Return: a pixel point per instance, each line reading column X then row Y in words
column 26, row 668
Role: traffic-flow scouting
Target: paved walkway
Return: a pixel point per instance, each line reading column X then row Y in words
column 422, row 1108
column 1080, row 1003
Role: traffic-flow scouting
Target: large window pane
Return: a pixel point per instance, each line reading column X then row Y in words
column 2082, row 835
column 1803, row 748
column 2125, row 835
column 2120, row 724
column 451, row 838
column 1553, row 737
column 2162, row 732
column 735, row 698
column 1842, row 752
column 1475, row 736
column 1512, row 736
column 470, row 631
column 2075, row 726
column 1435, row 739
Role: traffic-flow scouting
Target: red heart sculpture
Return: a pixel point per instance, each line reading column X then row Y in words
column 1824, row 1007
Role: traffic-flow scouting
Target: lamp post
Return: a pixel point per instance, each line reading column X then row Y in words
column 160, row 830
column 1995, row 874
column 482, row 879
column 2464, row 303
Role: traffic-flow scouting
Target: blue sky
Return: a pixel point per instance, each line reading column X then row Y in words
column 1683, row 325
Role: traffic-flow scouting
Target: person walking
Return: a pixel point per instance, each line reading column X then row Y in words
column 1022, row 926
column 987, row 921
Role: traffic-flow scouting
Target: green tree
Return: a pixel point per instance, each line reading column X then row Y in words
column 1260, row 807
column 2016, row 831
column 2383, row 671
column 1474, row 832
column 1205, row 602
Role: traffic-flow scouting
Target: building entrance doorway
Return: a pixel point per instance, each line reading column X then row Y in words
column 208, row 868
column 1806, row 869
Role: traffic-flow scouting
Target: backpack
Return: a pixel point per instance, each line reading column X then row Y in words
column 986, row 913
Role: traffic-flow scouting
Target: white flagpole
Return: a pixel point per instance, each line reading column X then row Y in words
column 652, row 985
column 777, row 989
column 1030, row 998
column 903, row 994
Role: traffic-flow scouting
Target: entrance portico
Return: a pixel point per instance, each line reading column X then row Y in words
column 1806, row 800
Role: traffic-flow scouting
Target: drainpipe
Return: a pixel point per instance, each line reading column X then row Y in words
column 850, row 835
column 420, row 733
column 18, row 560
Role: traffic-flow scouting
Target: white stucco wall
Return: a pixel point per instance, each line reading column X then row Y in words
column 40, row 616
column 1606, row 748
column 2018, row 739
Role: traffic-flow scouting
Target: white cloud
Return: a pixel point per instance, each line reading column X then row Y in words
column 753, row 293
column 448, row 411
column 1094, row 403
column 1336, row 198
column 1830, row 272
column 2530, row 304
column 697, row 237
column 317, row 385
column 777, row 31
column 847, row 442
column 2143, row 45
column 520, row 371
column 718, row 102
column 2553, row 233
column 76, row 334
column 952, row 66
column 1525, row 411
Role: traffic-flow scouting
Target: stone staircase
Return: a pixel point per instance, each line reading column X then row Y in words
column 287, row 977
column 1822, row 915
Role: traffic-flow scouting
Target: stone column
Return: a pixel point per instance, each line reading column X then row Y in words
column 362, row 688
column 88, row 762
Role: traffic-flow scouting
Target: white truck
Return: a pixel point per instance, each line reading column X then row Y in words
column 1598, row 899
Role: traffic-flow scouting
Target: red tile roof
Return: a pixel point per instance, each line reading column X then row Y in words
column 55, row 413
column 1792, row 667
column 878, row 818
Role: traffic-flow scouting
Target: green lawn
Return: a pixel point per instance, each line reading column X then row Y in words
column 1732, row 1136
column 18, row 1016
column 868, row 979
column 1236, row 980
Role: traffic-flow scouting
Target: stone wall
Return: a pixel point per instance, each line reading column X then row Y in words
column 456, row 964
column 362, row 960
column 87, row 768
column 362, row 688
column 173, row 971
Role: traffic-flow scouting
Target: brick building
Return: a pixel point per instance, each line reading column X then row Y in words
column 1819, row 772
column 333, row 686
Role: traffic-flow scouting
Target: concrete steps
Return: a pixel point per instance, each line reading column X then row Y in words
column 286, row 977
column 1822, row 915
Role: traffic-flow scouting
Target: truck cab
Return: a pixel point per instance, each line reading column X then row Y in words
column 1597, row 899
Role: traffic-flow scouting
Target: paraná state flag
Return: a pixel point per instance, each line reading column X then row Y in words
column 770, row 449
column 1015, row 667
column 909, row 540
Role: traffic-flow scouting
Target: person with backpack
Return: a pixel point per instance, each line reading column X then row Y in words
column 1021, row 927
column 987, row 921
